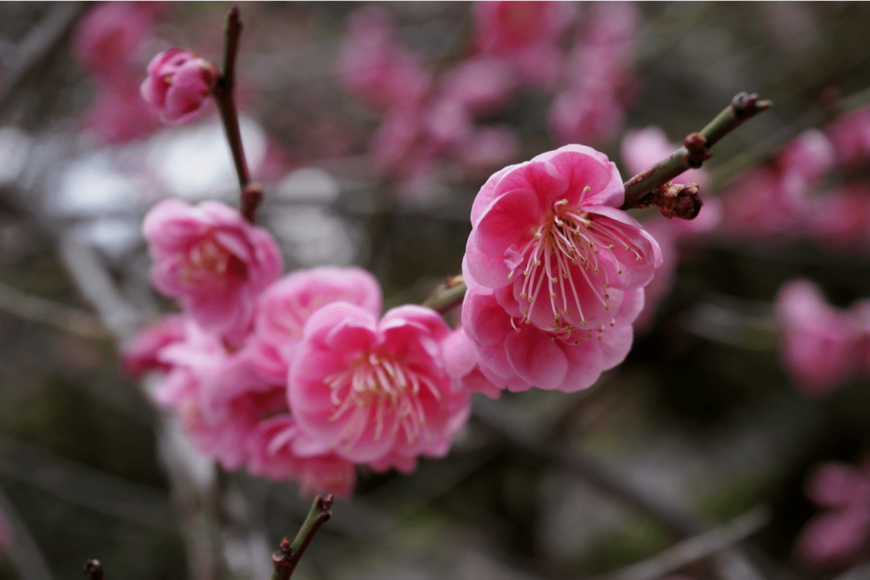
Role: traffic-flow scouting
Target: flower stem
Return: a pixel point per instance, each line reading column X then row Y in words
column 694, row 152
column 289, row 554
column 224, row 94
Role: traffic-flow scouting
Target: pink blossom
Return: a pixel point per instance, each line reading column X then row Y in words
column 140, row 355
column 841, row 534
column 482, row 84
column 810, row 155
column 643, row 148
column 819, row 343
column 118, row 115
column 394, row 144
column 178, row 85
column 108, row 35
column 286, row 305
column 850, row 136
column 375, row 67
column 526, row 34
column 211, row 260
column 840, row 219
column 547, row 235
column 518, row 357
column 279, row 450
column 462, row 365
column 765, row 203
column 488, row 147
column 600, row 60
column 376, row 392
column 585, row 115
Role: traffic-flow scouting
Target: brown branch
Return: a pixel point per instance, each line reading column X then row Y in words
column 695, row 548
column 93, row 570
column 288, row 555
column 652, row 187
column 224, row 94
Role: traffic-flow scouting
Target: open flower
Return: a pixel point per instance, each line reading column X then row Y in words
column 376, row 392
column 178, row 85
column 548, row 237
column 211, row 260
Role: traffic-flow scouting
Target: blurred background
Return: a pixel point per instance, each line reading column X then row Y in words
column 372, row 127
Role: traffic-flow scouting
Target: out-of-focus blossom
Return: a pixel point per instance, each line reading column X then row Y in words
column 810, row 155
column 489, row 147
column 279, row 450
column 376, row 392
column 108, row 35
column 840, row 219
column 850, row 136
column 841, row 534
column 374, row 67
column 765, row 203
column 482, row 84
column 141, row 354
column 585, row 116
column 819, row 347
column 178, row 85
column 526, row 34
column 211, row 260
column 643, row 148
column 286, row 305
column 548, row 263
column 119, row 115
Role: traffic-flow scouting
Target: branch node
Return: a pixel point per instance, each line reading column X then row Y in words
column 93, row 570
column 682, row 200
column 252, row 195
column 743, row 104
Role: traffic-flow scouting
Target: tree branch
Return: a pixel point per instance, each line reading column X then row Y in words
column 642, row 190
column 224, row 94
column 288, row 555
column 60, row 316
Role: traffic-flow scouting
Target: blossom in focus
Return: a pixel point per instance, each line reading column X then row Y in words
column 211, row 260
column 819, row 347
column 840, row 535
column 285, row 306
column 549, row 261
column 178, row 85
column 376, row 391
column 462, row 365
column 108, row 35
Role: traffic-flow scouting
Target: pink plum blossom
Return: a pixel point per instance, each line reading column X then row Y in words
column 373, row 66
column 279, row 450
column 488, row 147
column 548, row 236
column 178, row 85
column 482, row 84
column 819, row 347
column 119, row 115
column 841, row 534
column 286, row 305
column 810, row 155
column 211, row 260
column 840, row 219
column 376, row 392
column 140, row 355
column 588, row 116
column 109, row 34
column 850, row 136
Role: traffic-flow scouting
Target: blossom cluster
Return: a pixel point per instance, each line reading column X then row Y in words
column 822, row 347
column 301, row 376
column 431, row 116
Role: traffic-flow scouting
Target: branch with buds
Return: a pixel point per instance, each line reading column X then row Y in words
column 289, row 554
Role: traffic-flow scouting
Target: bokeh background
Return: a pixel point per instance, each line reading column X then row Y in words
column 705, row 417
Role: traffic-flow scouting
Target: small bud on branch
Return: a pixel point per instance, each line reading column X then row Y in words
column 288, row 555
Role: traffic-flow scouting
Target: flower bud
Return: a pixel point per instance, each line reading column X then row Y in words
column 178, row 85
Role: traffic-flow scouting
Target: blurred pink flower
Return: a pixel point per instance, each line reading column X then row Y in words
column 526, row 34
column 841, row 534
column 286, row 305
column 601, row 59
column 108, row 35
column 810, row 155
column 643, row 148
column 840, row 219
column 178, row 85
column 766, row 203
column 488, row 147
column 483, row 84
column 376, row 392
column 211, row 260
column 548, row 235
column 819, row 346
column 850, row 136
column 580, row 115
column 375, row 68
column 119, row 115
column 140, row 355
column 279, row 450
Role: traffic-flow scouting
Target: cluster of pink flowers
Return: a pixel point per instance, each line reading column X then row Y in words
column 429, row 118
column 291, row 377
column 106, row 43
column 839, row 536
column 822, row 347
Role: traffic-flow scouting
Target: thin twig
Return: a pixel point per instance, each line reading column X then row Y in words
column 60, row 316
column 695, row 151
column 225, row 95
column 289, row 554
column 695, row 548
column 93, row 570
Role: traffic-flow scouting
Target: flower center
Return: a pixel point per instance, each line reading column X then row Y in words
column 209, row 263
column 385, row 385
column 561, row 260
